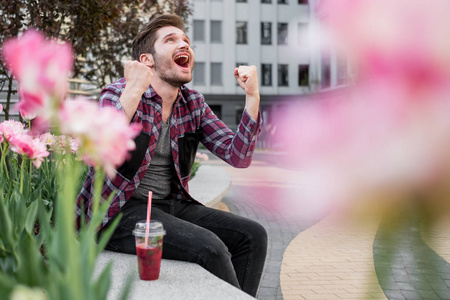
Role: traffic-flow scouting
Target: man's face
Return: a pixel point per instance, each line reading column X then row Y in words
column 174, row 57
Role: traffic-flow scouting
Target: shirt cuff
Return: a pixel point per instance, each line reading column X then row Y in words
column 251, row 125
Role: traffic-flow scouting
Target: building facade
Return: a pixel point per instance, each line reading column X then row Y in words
column 274, row 35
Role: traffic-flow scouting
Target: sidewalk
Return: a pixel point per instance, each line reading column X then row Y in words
column 332, row 259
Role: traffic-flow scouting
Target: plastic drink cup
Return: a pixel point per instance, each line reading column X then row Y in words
column 149, row 256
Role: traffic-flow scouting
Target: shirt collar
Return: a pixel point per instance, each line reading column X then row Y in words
column 150, row 93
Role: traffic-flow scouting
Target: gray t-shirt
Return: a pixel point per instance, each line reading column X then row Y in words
column 159, row 174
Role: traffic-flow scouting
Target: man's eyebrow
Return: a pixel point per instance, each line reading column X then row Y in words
column 173, row 33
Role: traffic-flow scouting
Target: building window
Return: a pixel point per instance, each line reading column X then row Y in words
column 302, row 34
column 266, row 70
column 241, row 1
column 199, row 30
column 266, row 33
column 303, row 75
column 199, row 73
column 302, row 1
column 216, row 73
column 326, row 71
column 216, row 31
column 239, row 112
column 217, row 110
column 283, row 75
column 266, row 1
column 282, row 33
column 341, row 70
column 241, row 32
column 283, row 1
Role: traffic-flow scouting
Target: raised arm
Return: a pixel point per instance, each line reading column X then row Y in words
column 138, row 78
column 247, row 77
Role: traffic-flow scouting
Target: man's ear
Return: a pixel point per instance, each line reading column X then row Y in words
column 147, row 59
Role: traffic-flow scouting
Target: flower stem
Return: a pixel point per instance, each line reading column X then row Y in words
column 22, row 170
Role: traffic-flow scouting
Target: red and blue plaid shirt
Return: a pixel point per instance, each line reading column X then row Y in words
column 192, row 121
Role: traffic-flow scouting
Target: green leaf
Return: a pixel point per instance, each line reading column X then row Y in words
column 6, row 232
column 32, row 269
column 7, row 285
column 101, row 286
column 127, row 288
column 31, row 216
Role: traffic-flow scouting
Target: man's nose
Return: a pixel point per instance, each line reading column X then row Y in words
column 183, row 45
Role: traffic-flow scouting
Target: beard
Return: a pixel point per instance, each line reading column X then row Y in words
column 168, row 74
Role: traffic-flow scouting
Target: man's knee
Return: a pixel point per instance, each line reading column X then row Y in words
column 214, row 251
column 257, row 233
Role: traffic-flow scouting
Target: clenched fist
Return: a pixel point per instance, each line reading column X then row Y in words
column 247, row 77
column 137, row 75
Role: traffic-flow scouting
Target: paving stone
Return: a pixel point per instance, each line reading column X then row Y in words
column 410, row 268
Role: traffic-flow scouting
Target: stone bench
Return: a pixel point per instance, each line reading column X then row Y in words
column 178, row 280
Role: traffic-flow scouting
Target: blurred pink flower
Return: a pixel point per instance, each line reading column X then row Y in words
column 41, row 67
column 201, row 156
column 10, row 128
column 48, row 139
column 410, row 38
column 27, row 116
column 390, row 132
column 24, row 144
column 1, row 108
column 105, row 135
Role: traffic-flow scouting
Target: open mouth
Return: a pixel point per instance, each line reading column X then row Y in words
column 182, row 60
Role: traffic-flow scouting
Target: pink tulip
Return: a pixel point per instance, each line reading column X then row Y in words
column 27, row 116
column 11, row 128
column 109, row 144
column 41, row 67
column 388, row 134
column 24, row 144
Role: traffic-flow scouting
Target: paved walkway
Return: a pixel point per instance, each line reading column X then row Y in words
column 332, row 259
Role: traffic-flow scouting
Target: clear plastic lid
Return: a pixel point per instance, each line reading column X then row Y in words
column 156, row 229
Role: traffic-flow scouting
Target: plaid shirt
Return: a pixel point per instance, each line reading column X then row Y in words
column 192, row 121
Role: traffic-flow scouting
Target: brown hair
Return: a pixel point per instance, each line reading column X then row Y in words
column 145, row 40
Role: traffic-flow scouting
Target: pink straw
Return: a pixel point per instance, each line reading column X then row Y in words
column 149, row 211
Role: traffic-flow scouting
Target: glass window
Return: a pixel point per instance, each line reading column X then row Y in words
column 303, row 75
column 216, row 31
column 199, row 30
column 282, row 33
column 217, row 110
column 266, row 33
column 241, row 32
column 216, row 73
column 341, row 70
column 239, row 112
column 326, row 71
column 266, row 70
column 302, row 34
column 283, row 1
column 199, row 73
column 283, row 75
column 302, row 1
column 266, row 1
column 241, row 1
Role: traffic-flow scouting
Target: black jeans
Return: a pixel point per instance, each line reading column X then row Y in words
column 231, row 247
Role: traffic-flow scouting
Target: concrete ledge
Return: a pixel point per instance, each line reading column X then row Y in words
column 209, row 185
column 178, row 280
